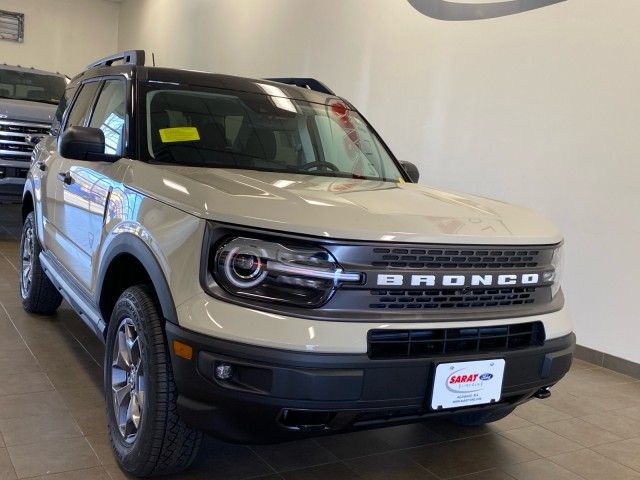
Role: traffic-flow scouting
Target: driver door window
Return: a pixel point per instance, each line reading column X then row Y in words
column 110, row 116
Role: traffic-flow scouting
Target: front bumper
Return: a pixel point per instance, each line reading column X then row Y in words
column 278, row 394
column 211, row 317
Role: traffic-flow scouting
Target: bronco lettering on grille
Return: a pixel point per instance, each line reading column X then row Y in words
column 398, row 280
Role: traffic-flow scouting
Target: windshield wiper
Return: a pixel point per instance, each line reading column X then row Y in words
column 166, row 156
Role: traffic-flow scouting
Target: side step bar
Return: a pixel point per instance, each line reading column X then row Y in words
column 73, row 294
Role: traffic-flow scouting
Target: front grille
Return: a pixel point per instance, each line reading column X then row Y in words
column 13, row 138
column 415, row 282
column 385, row 344
column 11, row 172
column 437, row 299
column 453, row 258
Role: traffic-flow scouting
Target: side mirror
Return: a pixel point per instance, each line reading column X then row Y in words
column 412, row 171
column 81, row 143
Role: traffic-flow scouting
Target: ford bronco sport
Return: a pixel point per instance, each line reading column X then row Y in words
column 28, row 99
column 261, row 267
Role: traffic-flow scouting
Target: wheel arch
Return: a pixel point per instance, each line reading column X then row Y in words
column 129, row 261
column 28, row 205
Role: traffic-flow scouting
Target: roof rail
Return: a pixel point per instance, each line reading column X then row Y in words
column 128, row 57
column 309, row 83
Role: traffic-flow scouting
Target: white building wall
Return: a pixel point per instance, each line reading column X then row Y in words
column 62, row 35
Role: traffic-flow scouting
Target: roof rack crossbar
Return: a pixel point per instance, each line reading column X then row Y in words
column 310, row 83
column 128, row 57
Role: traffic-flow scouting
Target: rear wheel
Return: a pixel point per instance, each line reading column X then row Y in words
column 147, row 435
column 477, row 419
column 38, row 294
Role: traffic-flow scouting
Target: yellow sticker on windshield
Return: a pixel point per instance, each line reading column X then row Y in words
column 179, row 134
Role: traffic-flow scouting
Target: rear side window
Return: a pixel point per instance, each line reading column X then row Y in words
column 65, row 100
column 82, row 105
column 110, row 116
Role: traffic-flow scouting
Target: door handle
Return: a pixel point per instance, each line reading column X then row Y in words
column 40, row 164
column 65, row 177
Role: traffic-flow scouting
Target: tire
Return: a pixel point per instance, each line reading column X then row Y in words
column 37, row 292
column 139, row 369
column 477, row 419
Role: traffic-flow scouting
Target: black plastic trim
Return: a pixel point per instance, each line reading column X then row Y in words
column 310, row 83
column 73, row 292
column 346, row 385
column 80, row 143
column 127, row 243
column 128, row 57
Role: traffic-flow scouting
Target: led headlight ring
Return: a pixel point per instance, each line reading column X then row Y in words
column 244, row 267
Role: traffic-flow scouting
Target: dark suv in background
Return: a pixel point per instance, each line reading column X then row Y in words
column 28, row 101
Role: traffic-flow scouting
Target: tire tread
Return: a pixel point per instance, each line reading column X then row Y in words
column 174, row 445
column 44, row 298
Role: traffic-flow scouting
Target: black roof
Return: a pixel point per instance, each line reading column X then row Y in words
column 134, row 67
column 231, row 82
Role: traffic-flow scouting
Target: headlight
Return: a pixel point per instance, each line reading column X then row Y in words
column 557, row 262
column 273, row 272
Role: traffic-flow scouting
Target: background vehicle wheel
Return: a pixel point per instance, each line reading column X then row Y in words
column 38, row 294
column 147, row 435
column 477, row 419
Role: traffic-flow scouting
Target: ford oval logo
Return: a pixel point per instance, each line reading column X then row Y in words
column 465, row 10
column 486, row 376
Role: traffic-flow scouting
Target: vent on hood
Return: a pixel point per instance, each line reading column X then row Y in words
column 456, row 258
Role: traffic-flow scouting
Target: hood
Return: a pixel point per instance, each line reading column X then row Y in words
column 26, row 111
column 341, row 208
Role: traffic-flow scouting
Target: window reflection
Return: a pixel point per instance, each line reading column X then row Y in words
column 109, row 116
column 112, row 127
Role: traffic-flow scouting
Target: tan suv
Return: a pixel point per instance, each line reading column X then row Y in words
column 261, row 267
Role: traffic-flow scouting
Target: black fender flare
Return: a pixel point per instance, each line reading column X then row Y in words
column 29, row 190
column 127, row 243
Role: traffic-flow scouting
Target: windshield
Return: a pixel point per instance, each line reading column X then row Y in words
column 263, row 132
column 34, row 87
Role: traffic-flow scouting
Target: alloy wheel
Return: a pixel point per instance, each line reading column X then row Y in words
column 28, row 254
column 127, row 380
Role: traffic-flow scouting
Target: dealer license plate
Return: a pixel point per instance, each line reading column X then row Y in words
column 464, row 384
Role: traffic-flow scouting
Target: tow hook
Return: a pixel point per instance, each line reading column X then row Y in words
column 544, row 392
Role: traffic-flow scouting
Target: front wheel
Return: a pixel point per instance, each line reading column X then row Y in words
column 147, row 435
